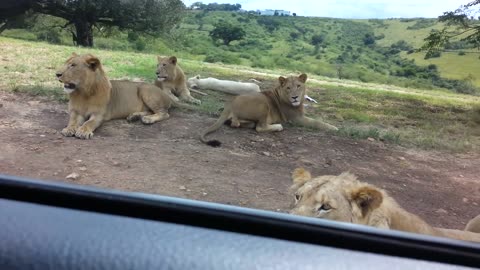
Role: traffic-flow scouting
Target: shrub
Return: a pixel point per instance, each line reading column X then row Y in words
column 223, row 57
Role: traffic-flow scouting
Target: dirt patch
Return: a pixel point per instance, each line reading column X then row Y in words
column 250, row 169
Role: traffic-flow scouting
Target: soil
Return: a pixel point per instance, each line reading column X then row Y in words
column 250, row 169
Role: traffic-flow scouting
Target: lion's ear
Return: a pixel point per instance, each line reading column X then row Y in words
column 367, row 198
column 93, row 62
column 303, row 77
column 300, row 176
column 282, row 80
column 173, row 60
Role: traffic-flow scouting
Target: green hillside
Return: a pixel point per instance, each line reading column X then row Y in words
column 378, row 51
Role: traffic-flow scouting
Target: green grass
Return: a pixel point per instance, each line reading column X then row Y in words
column 430, row 119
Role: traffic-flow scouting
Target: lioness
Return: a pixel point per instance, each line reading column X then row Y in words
column 95, row 99
column 267, row 110
column 344, row 198
column 226, row 86
column 170, row 78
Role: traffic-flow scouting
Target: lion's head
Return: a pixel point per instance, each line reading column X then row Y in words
column 339, row 198
column 292, row 89
column 193, row 82
column 80, row 72
column 166, row 68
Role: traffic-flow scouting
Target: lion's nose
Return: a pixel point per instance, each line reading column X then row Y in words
column 58, row 75
column 295, row 97
column 158, row 73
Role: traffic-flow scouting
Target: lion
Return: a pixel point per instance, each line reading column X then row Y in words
column 344, row 198
column 473, row 225
column 266, row 111
column 170, row 78
column 226, row 86
column 94, row 99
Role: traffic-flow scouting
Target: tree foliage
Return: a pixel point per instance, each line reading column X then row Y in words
column 227, row 32
column 146, row 16
column 215, row 6
column 460, row 25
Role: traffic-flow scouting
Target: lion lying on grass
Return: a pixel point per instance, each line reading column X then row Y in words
column 344, row 198
column 267, row 110
column 226, row 86
column 170, row 78
column 95, row 99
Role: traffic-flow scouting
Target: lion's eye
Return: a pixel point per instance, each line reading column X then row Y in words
column 325, row 207
column 73, row 65
column 297, row 197
column 164, row 64
column 298, row 86
column 288, row 88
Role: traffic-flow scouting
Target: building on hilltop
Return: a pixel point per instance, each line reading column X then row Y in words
column 273, row 12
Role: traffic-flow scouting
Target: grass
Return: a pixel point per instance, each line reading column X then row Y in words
column 429, row 119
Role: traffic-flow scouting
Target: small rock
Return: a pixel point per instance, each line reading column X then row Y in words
column 43, row 135
column 1, row 105
column 401, row 158
column 82, row 169
column 441, row 211
column 370, row 139
column 182, row 188
column 300, row 138
column 204, row 194
column 395, row 173
column 79, row 160
column 266, row 154
column 306, row 161
column 116, row 163
column 73, row 176
column 465, row 200
column 328, row 161
column 461, row 176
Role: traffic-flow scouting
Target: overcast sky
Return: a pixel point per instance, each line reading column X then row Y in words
column 352, row 8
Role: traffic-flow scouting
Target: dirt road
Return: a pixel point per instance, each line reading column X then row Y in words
column 249, row 170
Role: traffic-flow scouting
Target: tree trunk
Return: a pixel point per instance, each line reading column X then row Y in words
column 84, row 36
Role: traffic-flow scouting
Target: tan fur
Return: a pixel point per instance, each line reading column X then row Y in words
column 172, row 80
column 94, row 99
column 473, row 225
column 268, row 110
column 344, row 198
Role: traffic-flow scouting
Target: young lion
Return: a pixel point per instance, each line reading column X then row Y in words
column 267, row 110
column 94, row 99
column 344, row 198
column 170, row 78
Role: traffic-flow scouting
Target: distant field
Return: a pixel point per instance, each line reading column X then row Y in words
column 452, row 65
column 431, row 119
column 286, row 43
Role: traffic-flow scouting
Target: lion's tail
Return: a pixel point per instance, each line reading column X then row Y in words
column 223, row 117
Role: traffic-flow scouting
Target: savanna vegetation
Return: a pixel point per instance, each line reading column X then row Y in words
column 369, row 76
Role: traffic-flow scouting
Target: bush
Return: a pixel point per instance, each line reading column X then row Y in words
column 50, row 36
column 461, row 53
column 434, row 54
column 223, row 57
column 140, row 45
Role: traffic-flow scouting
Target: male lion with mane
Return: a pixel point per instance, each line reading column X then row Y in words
column 267, row 110
column 93, row 98
column 344, row 198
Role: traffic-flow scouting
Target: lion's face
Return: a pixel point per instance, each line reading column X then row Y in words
column 166, row 68
column 292, row 89
column 78, row 72
column 340, row 198
column 193, row 82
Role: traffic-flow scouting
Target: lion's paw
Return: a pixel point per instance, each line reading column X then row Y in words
column 84, row 133
column 147, row 120
column 68, row 132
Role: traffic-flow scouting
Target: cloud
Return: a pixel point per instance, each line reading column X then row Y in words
column 352, row 9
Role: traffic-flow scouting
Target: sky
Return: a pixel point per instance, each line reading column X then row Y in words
column 351, row 9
